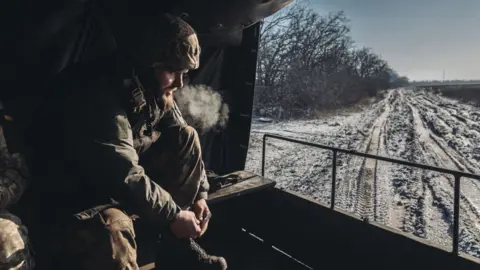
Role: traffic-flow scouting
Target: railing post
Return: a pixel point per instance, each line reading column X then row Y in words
column 456, row 214
column 263, row 154
column 334, row 177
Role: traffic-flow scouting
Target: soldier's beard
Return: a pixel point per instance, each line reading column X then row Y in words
column 165, row 102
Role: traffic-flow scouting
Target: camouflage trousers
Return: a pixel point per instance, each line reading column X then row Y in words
column 15, row 250
column 108, row 240
column 13, row 175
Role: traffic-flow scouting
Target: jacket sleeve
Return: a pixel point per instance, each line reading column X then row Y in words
column 204, row 187
column 108, row 160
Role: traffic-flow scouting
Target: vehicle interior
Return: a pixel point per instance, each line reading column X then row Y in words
column 255, row 225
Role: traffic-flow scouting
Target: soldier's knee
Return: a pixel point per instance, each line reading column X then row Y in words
column 15, row 249
column 106, row 241
column 185, row 137
column 182, row 132
column 189, row 131
column 188, row 135
column 112, row 215
column 122, row 238
column 117, row 221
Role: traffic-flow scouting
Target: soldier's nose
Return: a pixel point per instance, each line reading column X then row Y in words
column 178, row 83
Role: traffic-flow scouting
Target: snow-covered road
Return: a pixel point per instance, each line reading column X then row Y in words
column 417, row 126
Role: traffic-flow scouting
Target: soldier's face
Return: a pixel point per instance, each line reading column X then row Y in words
column 169, row 82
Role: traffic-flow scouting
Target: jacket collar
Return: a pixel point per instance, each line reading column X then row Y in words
column 142, row 103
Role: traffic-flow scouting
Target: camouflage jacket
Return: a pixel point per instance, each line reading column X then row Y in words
column 98, row 160
column 13, row 175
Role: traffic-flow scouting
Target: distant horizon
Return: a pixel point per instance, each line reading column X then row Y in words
column 474, row 80
column 422, row 40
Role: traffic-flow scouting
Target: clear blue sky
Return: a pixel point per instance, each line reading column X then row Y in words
column 419, row 38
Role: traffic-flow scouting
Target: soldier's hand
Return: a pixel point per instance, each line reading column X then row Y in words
column 204, row 226
column 186, row 225
column 201, row 210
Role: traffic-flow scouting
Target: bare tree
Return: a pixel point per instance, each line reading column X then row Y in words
column 307, row 61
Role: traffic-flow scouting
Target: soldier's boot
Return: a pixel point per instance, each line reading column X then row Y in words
column 176, row 253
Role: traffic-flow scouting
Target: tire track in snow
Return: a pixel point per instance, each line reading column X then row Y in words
column 349, row 184
column 310, row 175
column 455, row 160
column 465, row 129
column 441, row 186
column 436, row 199
column 407, row 201
column 319, row 173
column 383, row 191
column 366, row 195
column 454, row 108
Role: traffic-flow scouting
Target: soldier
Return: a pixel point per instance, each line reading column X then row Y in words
column 112, row 146
column 15, row 249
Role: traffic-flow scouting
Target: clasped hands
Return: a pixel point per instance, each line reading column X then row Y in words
column 192, row 224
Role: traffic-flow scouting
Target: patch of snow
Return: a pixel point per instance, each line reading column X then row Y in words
column 417, row 126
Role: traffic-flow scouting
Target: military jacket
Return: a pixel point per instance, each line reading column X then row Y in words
column 86, row 143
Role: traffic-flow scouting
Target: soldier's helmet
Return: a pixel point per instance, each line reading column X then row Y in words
column 164, row 41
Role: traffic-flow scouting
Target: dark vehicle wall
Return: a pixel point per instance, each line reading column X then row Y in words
column 46, row 38
column 324, row 239
column 231, row 71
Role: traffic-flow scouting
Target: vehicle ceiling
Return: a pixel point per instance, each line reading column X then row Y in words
column 46, row 37
column 44, row 33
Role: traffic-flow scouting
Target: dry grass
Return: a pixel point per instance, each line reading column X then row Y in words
column 469, row 94
column 345, row 109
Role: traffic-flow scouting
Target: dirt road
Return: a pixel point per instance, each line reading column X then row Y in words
column 417, row 126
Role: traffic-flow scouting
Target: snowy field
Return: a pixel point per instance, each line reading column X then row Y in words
column 416, row 126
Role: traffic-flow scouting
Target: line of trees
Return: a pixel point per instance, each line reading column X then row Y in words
column 308, row 62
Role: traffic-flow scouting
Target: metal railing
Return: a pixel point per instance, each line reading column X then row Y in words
column 457, row 175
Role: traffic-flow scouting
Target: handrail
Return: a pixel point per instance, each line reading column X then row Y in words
column 335, row 150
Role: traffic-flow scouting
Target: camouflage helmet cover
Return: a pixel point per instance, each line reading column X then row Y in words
column 165, row 41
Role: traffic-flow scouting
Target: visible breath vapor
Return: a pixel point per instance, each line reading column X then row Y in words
column 202, row 107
